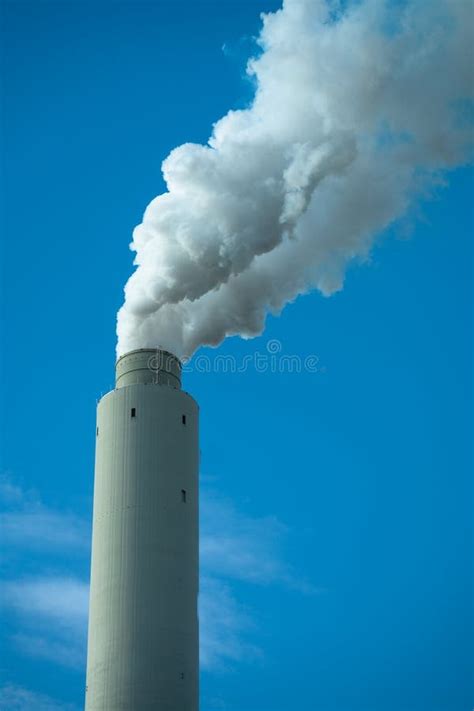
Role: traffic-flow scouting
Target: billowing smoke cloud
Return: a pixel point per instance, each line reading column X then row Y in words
column 355, row 115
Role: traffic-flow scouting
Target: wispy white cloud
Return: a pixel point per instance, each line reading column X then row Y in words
column 38, row 527
column 241, row 547
column 26, row 522
column 224, row 623
column 58, row 599
column 52, row 612
column 49, row 610
column 10, row 493
column 17, row 698
column 65, row 651
column 236, row 547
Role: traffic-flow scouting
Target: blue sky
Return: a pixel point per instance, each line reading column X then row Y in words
column 336, row 504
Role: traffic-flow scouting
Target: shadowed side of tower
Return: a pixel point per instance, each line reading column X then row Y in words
column 143, row 625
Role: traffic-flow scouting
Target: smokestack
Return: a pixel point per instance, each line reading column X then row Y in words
column 143, row 623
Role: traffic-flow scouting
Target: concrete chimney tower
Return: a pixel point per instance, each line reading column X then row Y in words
column 143, row 624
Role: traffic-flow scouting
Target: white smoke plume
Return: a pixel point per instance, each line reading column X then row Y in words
column 356, row 114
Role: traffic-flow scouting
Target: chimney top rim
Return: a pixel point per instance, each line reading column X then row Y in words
column 148, row 350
